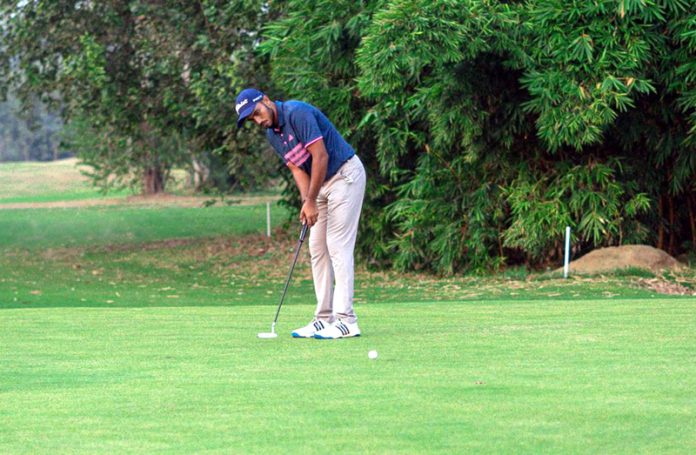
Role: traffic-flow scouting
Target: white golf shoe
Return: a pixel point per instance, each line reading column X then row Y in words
column 310, row 329
column 338, row 329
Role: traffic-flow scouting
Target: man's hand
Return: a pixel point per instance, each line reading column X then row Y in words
column 309, row 213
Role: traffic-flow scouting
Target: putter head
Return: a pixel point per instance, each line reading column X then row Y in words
column 271, row 334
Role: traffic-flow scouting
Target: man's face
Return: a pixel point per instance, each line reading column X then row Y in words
column 262, row 115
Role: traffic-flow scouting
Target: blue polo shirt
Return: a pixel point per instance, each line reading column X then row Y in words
column 299, row 126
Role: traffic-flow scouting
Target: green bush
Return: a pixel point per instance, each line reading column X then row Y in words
column 493, row 125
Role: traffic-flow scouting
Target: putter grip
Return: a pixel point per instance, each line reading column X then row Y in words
column 303, row 232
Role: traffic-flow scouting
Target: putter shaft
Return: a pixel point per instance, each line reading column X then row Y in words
column 303, row 233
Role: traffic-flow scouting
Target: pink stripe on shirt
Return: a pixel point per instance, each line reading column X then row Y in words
column 297, row 155
column 299, row 161
column 292, row 152
column 302, row 156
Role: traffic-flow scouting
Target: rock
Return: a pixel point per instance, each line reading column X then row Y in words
column 612, row 259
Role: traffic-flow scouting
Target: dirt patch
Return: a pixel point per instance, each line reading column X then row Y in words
column 253, row 254
column 162, row 200
column 662, row 286
column 254, row 262
column 613, row 259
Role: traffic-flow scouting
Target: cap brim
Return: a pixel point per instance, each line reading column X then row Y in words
column 244, row 113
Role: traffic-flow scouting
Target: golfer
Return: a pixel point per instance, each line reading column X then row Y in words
column 331, row 182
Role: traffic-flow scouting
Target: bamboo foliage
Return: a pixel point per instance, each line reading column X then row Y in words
column 496, row 124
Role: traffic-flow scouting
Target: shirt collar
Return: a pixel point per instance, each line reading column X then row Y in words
column 281, row 115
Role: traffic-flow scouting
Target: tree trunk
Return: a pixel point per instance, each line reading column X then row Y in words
column 690, row 200
column 672, row 228
column 661, row 225
column 153, row 181
column 153, row 174
column 26, row 149
column 201, row 172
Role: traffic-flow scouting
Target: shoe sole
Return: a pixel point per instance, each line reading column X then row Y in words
column 295, row 335
column 319, row 337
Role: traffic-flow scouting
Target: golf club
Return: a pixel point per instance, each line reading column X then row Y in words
column 272, row 333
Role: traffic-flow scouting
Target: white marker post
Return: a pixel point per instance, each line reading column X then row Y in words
column 566, row 261
column 268, row 220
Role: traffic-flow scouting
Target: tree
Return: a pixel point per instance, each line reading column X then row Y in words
column 144, row 85
column 495, row 124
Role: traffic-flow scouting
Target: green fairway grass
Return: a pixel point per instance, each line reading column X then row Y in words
column 48, row 182
column 42, row 228
column 133, row 330
column 507, row 377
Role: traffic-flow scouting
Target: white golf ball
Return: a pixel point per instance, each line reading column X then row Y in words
column 372, row 354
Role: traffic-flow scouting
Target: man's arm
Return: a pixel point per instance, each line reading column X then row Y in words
column 301, row 180
column 309, row 186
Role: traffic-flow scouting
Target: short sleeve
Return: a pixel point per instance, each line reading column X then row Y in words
column 305, row 125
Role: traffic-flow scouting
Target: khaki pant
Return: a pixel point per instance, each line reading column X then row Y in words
column 332, row 241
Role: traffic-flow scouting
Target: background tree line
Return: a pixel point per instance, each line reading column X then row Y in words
column 143, row 86
column 31, row 137
column 486, row 126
